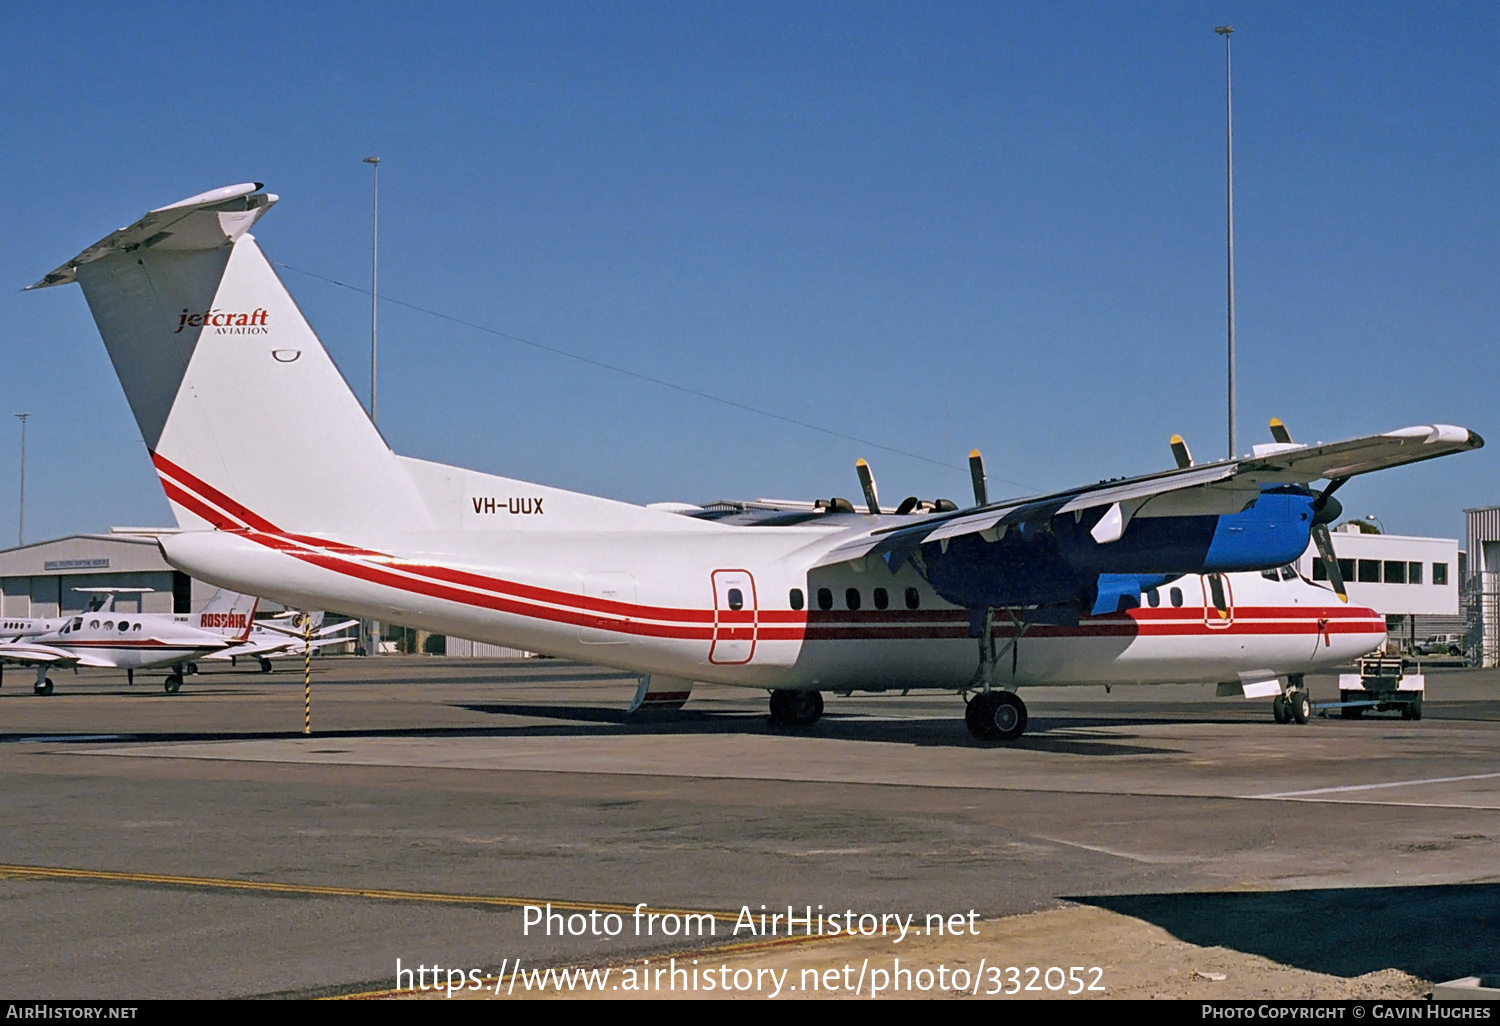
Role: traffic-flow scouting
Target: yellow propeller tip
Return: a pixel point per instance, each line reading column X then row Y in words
column 860, row 463
column 1276, row 422
column 973, row 453
column 1176, row 439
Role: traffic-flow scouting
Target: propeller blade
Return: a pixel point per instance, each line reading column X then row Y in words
column 1180, row 453
column 976, row 471
column 1330, row 562
column 867, row 482
column 1279, row 432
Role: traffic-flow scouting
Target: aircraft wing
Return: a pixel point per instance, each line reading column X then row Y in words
column 1228, row 486
column 26, row 654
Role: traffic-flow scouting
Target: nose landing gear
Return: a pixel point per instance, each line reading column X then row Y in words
column 996, row 716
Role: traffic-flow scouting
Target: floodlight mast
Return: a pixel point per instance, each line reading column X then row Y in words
column 1226, row 31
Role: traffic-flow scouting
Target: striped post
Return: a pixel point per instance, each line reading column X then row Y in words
column 307, row 674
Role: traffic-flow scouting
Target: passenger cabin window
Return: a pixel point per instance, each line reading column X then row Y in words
column 736, row 599
column 796, row 598
column 1153, row 597
column 93, row 624
column 851, row 598
column 913, row 598
column 1440, row 573
column 124, row 626
column 1414, row 573
column 137, row 627
column 1176, row 596
column 825, row 599
column 882, row 598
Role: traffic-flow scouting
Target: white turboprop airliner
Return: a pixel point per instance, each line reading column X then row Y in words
column 220, row 367
column 99, row 636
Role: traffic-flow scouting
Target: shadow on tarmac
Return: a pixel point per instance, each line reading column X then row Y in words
column 1440, row 932
column 596, row 721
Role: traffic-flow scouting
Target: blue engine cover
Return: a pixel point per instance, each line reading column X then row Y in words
column 1059, row 562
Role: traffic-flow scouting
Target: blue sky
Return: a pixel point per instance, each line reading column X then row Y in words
column 932, row 227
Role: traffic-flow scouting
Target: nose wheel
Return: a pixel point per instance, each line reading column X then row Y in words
column 1295, row 705
column 996, row 716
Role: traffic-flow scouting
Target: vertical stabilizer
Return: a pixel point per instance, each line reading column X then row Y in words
column 248, row 421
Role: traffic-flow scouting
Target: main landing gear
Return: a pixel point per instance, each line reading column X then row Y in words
column 43, row 684
column 796, row 708
column 173, row 683
column 992, row 714
column 1296, row 704
column 265, row 665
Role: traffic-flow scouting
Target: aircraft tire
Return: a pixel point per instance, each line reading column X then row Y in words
column 172, row 684
column 792, row 708
column 998, row 716
column 44, row 688
column 1279, row 710
column 265, row 666
column 1301, row 707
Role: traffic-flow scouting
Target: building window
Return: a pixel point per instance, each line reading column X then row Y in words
column 913, row 598
column 1346, row 569
column 796, row 598
column 825, row 599
column 1440, row 573
column 882, row 598
column 1414, row 573
column 1369, row 571
column 851, row 598
column 1395, row 571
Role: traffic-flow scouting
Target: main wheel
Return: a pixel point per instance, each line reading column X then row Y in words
column 997, row 716
column 44, row 687
column 1279, row 709
column 796, row 708
column 191, row 669
column 1300, row 705
column 265, row 665
column 172, row 684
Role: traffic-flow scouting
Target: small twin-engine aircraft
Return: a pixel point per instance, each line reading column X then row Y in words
column 284, row 635
column 220, row 367
column 99, row 636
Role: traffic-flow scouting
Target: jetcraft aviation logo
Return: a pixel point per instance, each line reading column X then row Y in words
column 224, row 323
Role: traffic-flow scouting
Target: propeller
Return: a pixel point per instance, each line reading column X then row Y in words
column 867, row 484
column 1279, row 431
column 1327, row 509
column 1180, row 453
column 976, row 471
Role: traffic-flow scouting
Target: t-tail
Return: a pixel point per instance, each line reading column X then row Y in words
column 248, row 421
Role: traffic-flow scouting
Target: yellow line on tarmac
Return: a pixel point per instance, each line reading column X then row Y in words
column 316, row 890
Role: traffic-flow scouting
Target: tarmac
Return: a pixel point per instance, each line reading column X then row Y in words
column 1160, row 841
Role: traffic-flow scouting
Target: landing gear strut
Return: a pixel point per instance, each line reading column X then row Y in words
column 796, row 708
column 173, row 683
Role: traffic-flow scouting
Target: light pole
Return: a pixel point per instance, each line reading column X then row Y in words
column 1226, row 31
column 372, row 632
column 21, row 527
column 374, row 163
